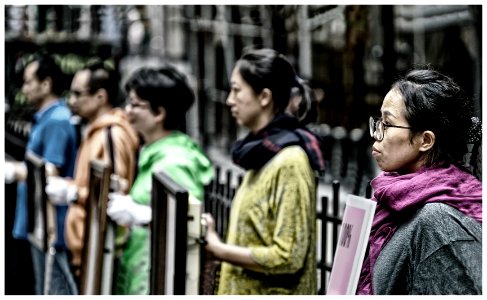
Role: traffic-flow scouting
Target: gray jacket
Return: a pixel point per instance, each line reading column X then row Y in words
column 437, row 251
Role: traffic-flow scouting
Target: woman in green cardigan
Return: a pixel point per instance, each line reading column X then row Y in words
column 157, row 103
column 271, row 242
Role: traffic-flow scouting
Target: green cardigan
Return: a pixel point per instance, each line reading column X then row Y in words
column 274, row 214
column 181, row 158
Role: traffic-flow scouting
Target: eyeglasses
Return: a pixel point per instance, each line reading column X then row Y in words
column 140, row 105
column 377, row 128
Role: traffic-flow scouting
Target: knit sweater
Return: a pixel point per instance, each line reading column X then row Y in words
column 273, row 213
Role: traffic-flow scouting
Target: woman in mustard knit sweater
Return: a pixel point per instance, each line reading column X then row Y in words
column 271, row 242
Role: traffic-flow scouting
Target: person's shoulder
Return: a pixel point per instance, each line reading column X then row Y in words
column 431, row 228
column 160, row 152
column 290, row 161
column 117, row 121
column 60, row 113
column 180, row 139
column 125, row 133
column 292, row 154
column 432, row 212
column 437, row 211
column 443, row 220
column 180, row 144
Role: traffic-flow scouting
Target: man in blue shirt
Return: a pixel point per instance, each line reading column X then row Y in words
column 53, row 138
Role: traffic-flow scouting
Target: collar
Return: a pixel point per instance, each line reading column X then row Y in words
column 41, row 113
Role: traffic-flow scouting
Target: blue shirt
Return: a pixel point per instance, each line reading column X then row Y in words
column 52, row 137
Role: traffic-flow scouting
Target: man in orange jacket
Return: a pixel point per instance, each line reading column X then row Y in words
column 93, row 95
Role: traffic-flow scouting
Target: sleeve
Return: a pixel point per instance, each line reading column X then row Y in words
column 56, row 142
column 291, row 236
column 459, row 263
column 446, row 255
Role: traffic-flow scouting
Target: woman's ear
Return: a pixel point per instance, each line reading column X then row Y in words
column 161, row 114
column 427, row 140
column 265, row 97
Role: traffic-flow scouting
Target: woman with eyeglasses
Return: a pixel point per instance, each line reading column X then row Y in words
column 426, row 236
column 270, row 248
column 158, row 100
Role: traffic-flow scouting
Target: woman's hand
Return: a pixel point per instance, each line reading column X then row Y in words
column 233, row 254
column 212, row 239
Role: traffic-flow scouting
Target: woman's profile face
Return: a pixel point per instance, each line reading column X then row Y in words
column 396, row 151
column 244, row 103
column 139, row 113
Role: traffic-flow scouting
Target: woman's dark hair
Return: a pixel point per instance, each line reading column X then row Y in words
column 47, row 67
column 308, row 106
column 266, row 68
column 165, row 87
column 103, row 77
column 435, row 102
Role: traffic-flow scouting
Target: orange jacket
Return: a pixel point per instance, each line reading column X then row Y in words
column 95, row 146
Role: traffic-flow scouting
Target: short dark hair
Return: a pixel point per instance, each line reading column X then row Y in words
column 435, row 102
column 48, row 68
column 103, row 77
column 266, row 68
column 164, row 87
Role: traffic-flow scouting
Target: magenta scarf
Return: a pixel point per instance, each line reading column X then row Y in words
column 400, row 196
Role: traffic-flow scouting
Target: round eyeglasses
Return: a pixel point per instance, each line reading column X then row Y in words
column 140, row 105
column 377, row 128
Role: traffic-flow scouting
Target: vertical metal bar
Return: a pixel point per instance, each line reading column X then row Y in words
column 221, row 199
column 182, row 202
column 226, row 204
column 336, row 201
column 324, row 222
column 368, row 191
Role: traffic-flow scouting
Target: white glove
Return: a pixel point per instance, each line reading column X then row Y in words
column 124, row 211
column 9, row 172
column 59, row 191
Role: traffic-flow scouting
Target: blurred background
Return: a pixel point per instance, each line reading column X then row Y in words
column 350, row 54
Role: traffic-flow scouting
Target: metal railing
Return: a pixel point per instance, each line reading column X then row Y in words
column 218, row 199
